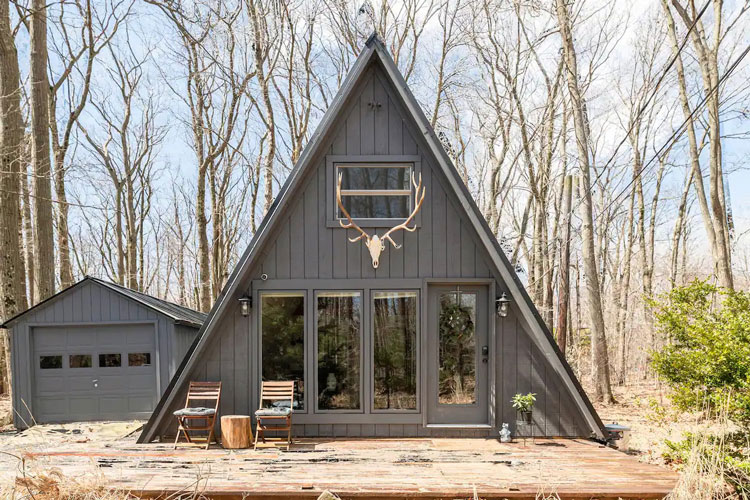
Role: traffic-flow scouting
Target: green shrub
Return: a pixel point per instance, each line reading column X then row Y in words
column 707, row 357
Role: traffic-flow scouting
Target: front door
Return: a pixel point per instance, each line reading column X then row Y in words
column 457, row 355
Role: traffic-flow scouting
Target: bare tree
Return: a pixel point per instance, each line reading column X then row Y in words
column 76, row 47
column 12, row 274
column 44, row 247
column 266, row 36
column 214, row 95
column 127, row 151
column 714, row 214
column 602, row 385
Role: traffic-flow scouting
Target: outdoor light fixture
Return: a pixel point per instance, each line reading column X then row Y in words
column 502, row 305
column 245, row 304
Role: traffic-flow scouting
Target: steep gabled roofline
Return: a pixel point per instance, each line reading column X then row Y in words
column 230, row 291
column 374, row 48
column 179, row 314
column 507, row 272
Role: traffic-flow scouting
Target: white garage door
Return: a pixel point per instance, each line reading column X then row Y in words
column 94, row 373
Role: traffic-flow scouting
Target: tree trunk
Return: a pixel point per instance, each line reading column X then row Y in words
column 12, row 274
column 622, row 312
column 63, row 241
column 204, row 267
column 563, row 287
column 600, row 356
column 261, row 46
column 677, row 232
column 28, row 227
column 44, row 261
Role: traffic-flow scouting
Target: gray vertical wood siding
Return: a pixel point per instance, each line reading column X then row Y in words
column 304, row 251
column 90, row 304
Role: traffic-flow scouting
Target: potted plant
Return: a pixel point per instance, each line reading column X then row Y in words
column 524, row 405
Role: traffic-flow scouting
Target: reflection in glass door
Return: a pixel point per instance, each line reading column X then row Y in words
column 339, row 320
column 457, row 370
column 457, row 355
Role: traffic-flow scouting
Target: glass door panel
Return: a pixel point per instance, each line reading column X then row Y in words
column 282, row 325
column 457, row 355
column 457, row 348
column 339, row 319
column 394, row 350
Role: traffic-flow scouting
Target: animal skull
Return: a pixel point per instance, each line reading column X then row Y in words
column 375, row 245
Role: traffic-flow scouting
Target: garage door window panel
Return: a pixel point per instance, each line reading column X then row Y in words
column 113, row 360
column 51, row 362
column 139, row 359
column 80, row 361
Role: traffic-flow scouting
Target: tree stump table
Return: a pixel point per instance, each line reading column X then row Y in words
column 236, row 431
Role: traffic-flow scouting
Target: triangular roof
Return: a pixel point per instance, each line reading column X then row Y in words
column 180, row 314
column 375, row 51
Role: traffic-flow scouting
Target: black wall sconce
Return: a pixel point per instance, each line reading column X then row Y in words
column 245, row 304
column 502, row 305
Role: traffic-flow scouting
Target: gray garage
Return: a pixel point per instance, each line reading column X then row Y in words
column 96, row 351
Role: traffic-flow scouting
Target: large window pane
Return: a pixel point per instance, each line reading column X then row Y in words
column 339, row 322
column 377, row 207
column 283, row 331
column 395, row 345
column 457, row 347
column 375, row 177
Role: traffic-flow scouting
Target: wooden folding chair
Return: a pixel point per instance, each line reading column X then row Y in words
column 198, row 391
column 278, row 415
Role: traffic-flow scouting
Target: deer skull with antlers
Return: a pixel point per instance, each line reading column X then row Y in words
column 376, row 244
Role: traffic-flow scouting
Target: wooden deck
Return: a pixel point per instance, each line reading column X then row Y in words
column 372, row 469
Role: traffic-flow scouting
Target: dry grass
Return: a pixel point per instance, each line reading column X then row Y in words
column 646, row 409
column 41, row 483
column 702, row 476
column 37, row 481
column 6, row 415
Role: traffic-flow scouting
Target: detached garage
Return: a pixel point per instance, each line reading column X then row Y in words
column 96, row 351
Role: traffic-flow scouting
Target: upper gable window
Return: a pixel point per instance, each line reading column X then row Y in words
column 375, row 190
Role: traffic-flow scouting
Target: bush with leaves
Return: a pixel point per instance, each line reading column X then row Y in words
column 707, row 357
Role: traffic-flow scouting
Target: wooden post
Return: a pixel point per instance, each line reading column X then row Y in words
column 236, row 431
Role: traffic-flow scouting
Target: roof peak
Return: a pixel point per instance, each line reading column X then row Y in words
column 374, row 37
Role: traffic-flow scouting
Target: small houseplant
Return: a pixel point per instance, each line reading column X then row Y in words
column 524, row 405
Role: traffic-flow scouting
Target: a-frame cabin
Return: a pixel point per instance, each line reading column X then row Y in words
column 413, row 347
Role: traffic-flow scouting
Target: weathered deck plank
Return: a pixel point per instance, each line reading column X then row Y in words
column 373, row 468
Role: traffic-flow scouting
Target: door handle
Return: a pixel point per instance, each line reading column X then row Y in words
column 485, row 353
column 95, row 382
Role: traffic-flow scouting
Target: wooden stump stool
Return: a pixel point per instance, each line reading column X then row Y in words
column 236, row 431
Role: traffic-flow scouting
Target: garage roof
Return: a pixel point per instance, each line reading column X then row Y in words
column 180, row 314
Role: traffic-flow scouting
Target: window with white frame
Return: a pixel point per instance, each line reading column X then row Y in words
column 375, row 190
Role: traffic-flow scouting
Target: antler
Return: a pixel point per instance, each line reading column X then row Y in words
column 351, row 224
column 418, row 199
